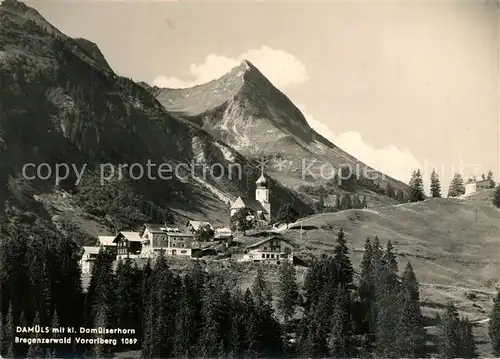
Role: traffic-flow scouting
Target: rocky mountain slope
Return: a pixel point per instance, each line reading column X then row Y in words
column 61, row 103
column 244, row 110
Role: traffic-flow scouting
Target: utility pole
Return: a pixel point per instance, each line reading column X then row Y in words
column 301, row 230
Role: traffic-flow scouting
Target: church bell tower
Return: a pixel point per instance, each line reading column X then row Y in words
column 262, row 194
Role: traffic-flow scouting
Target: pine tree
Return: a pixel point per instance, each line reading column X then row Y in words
column 386, row 304
column 457, row 186
column 449, row 332
column 410, row 341
column 466, row 339
column 342, row 261
column 435, row 185
column 101, row 320
column 364, row 204
column 494, row 325
column 416, row 187
column 35, row 351
column 340, row 338
column 389, row 258
column 364, row 324
column 496, row 197
column 9, row 333
column 288, row 291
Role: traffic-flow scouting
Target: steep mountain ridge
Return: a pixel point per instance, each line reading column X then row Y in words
column 243, row 109
column 60, row 103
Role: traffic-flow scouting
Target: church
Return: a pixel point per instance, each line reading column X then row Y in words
column 260, row 205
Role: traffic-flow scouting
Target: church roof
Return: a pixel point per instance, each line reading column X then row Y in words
column 242, row 202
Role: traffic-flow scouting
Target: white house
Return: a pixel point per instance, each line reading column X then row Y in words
column 476, row 186
column 88, row 258
column 223, row 233
column 260, row 205
column 171, row 240
column 272, row 249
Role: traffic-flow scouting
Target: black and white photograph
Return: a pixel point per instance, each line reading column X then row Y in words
column 249, row 179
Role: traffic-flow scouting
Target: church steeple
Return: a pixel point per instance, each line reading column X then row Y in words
column 261, row 181
column 262, row 194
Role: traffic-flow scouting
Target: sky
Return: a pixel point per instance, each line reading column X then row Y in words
column 400, row 85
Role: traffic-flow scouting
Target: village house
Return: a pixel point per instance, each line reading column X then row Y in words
column 260, row 205
column 171, row 240
column 273, row 249
column 195, row 226
column 223, row 234
column 128, row 245
column 476, row 186
column 88, row 258
column 107, row 243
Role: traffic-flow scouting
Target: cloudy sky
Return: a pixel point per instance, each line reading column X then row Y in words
column 399, row 85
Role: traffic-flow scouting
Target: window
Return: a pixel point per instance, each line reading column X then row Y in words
column 272, row 256
column 263, row 255
column 184, row 252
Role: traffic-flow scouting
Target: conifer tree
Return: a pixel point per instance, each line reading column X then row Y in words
column 365, row 292
column 389, row 258
column 435, row 185
column 267, row 328
column 494, row 325
column 211, row 341
column 386, row 304
column 340, row 338
column 101, row 320
column 410, row 341
column 449, row 332
column 466, row 339
column 496, row 197
column 35, row 351
column 457, row 186
column 342, row 261
column 9, row 333
column 416, row 187
column 288, row 291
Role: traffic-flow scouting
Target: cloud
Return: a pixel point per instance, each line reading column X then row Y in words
column 281, row 68
column 391, row 160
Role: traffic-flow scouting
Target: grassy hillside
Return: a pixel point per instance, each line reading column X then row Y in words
column 455, row 256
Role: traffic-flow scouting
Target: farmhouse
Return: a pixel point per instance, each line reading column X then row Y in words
column 171, row 240
column 272, row 249
column 260, row 205
column 195, row 226
column 107, row 242
column 128, row 245
column 476, row 186
column 88, row 258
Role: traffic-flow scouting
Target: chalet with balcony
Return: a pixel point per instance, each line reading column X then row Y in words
column 107, row 243
column 274, row 249
column 128, row 245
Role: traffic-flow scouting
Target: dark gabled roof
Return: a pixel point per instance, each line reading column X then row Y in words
column 258, row 243
column 251, row 203
column 129, row 236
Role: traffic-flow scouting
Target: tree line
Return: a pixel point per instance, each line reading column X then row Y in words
column 335, row 313
column 455, row 189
